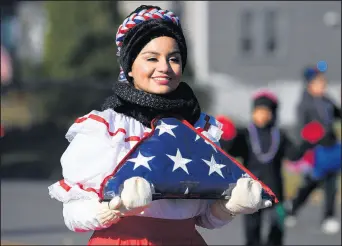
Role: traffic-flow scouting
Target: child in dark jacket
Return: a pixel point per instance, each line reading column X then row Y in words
column 316, row 106
column 263, row 146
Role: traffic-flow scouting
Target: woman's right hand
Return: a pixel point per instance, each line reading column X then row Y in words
column 135, row 198
column 109, row 213
column 136, row 195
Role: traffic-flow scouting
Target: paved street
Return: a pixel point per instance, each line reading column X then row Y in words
column 29, row 216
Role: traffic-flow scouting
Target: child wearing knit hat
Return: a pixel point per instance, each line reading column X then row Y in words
column 263, row 147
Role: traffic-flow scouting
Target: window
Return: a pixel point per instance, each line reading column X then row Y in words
column 270, row 28
column 263, row 34
column 246, row 41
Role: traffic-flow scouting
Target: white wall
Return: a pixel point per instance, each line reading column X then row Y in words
column 195, row 26
column 126, row 7
column 233, row 97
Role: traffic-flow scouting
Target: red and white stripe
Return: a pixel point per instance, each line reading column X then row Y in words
column 143, row 15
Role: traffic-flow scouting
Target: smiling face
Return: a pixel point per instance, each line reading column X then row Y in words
column 158, row 67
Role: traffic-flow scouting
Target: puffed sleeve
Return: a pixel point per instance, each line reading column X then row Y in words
column 81, row 215
column 96, row 145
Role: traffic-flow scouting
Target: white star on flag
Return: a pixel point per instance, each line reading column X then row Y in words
column 207, row 142
column 165, row 128
column 179, row 161
column 214, row 167
column 141, row 160
column 186, row 191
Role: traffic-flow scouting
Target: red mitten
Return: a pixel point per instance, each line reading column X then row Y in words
column 313, row 132
column 228, row 127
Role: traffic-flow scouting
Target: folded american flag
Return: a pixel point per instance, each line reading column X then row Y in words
column 180, row 162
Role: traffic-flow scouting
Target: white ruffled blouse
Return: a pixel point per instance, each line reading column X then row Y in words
column 98, row 142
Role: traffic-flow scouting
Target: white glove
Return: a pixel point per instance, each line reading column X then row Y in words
column 136, row 195
column 91, row 214
column 246, row 198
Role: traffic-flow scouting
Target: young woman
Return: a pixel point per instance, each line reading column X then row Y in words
column 152, row 55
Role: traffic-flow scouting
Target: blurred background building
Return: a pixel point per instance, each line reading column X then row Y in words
column 58, row 63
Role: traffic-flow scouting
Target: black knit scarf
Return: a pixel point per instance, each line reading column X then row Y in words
column 144, row 107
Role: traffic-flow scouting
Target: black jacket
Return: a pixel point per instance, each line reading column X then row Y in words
column 270, row 172
column 322, row 110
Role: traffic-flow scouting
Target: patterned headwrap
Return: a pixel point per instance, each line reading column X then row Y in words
column 139, row 17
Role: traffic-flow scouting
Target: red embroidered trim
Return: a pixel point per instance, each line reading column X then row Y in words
column 102, row 120
column 67, row 187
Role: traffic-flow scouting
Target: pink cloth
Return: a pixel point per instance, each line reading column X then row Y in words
column 134, row 230
column 305, row 164
column 6, row 66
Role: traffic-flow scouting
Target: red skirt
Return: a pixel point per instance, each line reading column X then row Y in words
column 136, row 230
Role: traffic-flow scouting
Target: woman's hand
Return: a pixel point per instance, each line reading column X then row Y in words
column 246, row 198
column 136, row 192
column 108, row 213
column 135, row 198
column 136, row 195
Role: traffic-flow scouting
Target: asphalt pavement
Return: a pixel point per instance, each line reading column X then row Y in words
column 29, row 216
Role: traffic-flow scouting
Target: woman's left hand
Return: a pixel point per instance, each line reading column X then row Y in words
column 246, row 198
